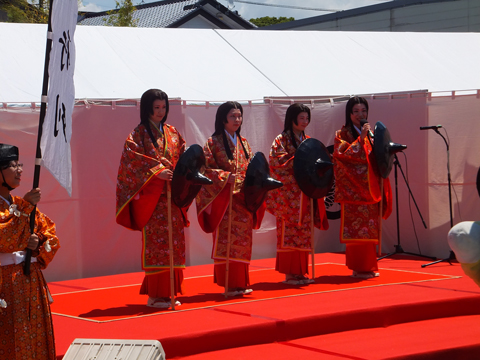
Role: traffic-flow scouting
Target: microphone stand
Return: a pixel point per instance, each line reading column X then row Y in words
column 398, row 247
column 452, row 254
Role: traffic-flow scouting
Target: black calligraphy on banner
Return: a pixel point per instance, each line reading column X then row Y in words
column 60, row 116
column 65, row 41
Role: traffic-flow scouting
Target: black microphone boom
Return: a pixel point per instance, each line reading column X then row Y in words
column 434, row 127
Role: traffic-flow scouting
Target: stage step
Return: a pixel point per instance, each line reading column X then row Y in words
column 390, row 328
column 446, row 338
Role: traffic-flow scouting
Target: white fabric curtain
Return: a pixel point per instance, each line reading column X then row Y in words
column 94, row 245
column 461, row 127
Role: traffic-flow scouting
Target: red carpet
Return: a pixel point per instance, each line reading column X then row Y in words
column 338, row 317
column 119, row 302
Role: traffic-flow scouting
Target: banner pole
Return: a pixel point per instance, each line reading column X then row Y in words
column 38, row 155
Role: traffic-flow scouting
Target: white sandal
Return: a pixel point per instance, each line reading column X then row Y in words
column 292, row 282
column 307, row 281
column 365, row 275
column 160, row 303
column 233, row 293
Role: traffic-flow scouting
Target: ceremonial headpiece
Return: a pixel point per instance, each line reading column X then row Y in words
column 258, row 182
column 187, row 177
column 8, row 153
column 313, row 168
column 384, row 149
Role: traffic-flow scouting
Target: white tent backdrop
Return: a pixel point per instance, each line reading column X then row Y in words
column 93, row 244
column 201, row 64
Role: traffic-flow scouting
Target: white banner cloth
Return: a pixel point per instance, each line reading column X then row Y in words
column 57, row 127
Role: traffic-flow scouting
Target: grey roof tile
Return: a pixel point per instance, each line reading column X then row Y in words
column 158, row 14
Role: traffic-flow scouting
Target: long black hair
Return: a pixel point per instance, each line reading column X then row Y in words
column 146, row 109
column 349, row 110
column 221, row 120
column 291, row 118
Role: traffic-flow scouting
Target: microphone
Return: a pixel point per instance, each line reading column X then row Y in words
column 434, row 127
column 363, row 122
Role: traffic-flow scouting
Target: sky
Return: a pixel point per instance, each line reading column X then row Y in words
column 248, row 11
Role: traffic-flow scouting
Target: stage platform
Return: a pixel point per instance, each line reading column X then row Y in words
column 408, row 312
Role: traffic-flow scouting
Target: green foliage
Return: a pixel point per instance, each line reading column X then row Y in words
column 122, row 15
column 20, row 11
column 267, row 20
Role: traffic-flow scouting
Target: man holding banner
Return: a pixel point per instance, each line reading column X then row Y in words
column 26, row 329
column 28, row 240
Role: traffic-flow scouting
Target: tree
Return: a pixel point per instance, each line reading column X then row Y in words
column 21, row 11
column 122, row 15
column 267, row 20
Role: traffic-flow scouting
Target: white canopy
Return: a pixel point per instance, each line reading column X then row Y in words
column 216, row 65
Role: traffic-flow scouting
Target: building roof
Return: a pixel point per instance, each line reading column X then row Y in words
column 175, row 13
column 339, row 15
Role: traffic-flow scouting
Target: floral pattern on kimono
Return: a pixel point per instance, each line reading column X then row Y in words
column 358, row 188
column 212, row 200
column 142, row 196
column 288, row 204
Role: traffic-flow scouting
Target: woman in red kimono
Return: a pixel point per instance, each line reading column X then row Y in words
column 149, row 157
column 227, row 155
column 26, row 329
column 358, row 190
column 289, row 205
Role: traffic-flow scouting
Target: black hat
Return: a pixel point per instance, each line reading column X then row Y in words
column 187, row 177
column 384, row 149
column 258, row 182
column 313, row 168
column 8, row 153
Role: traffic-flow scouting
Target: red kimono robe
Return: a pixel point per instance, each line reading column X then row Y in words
column 142, row 205
column 291, row 209
column 212, row 209
column 358, row 190
column 26, row 329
